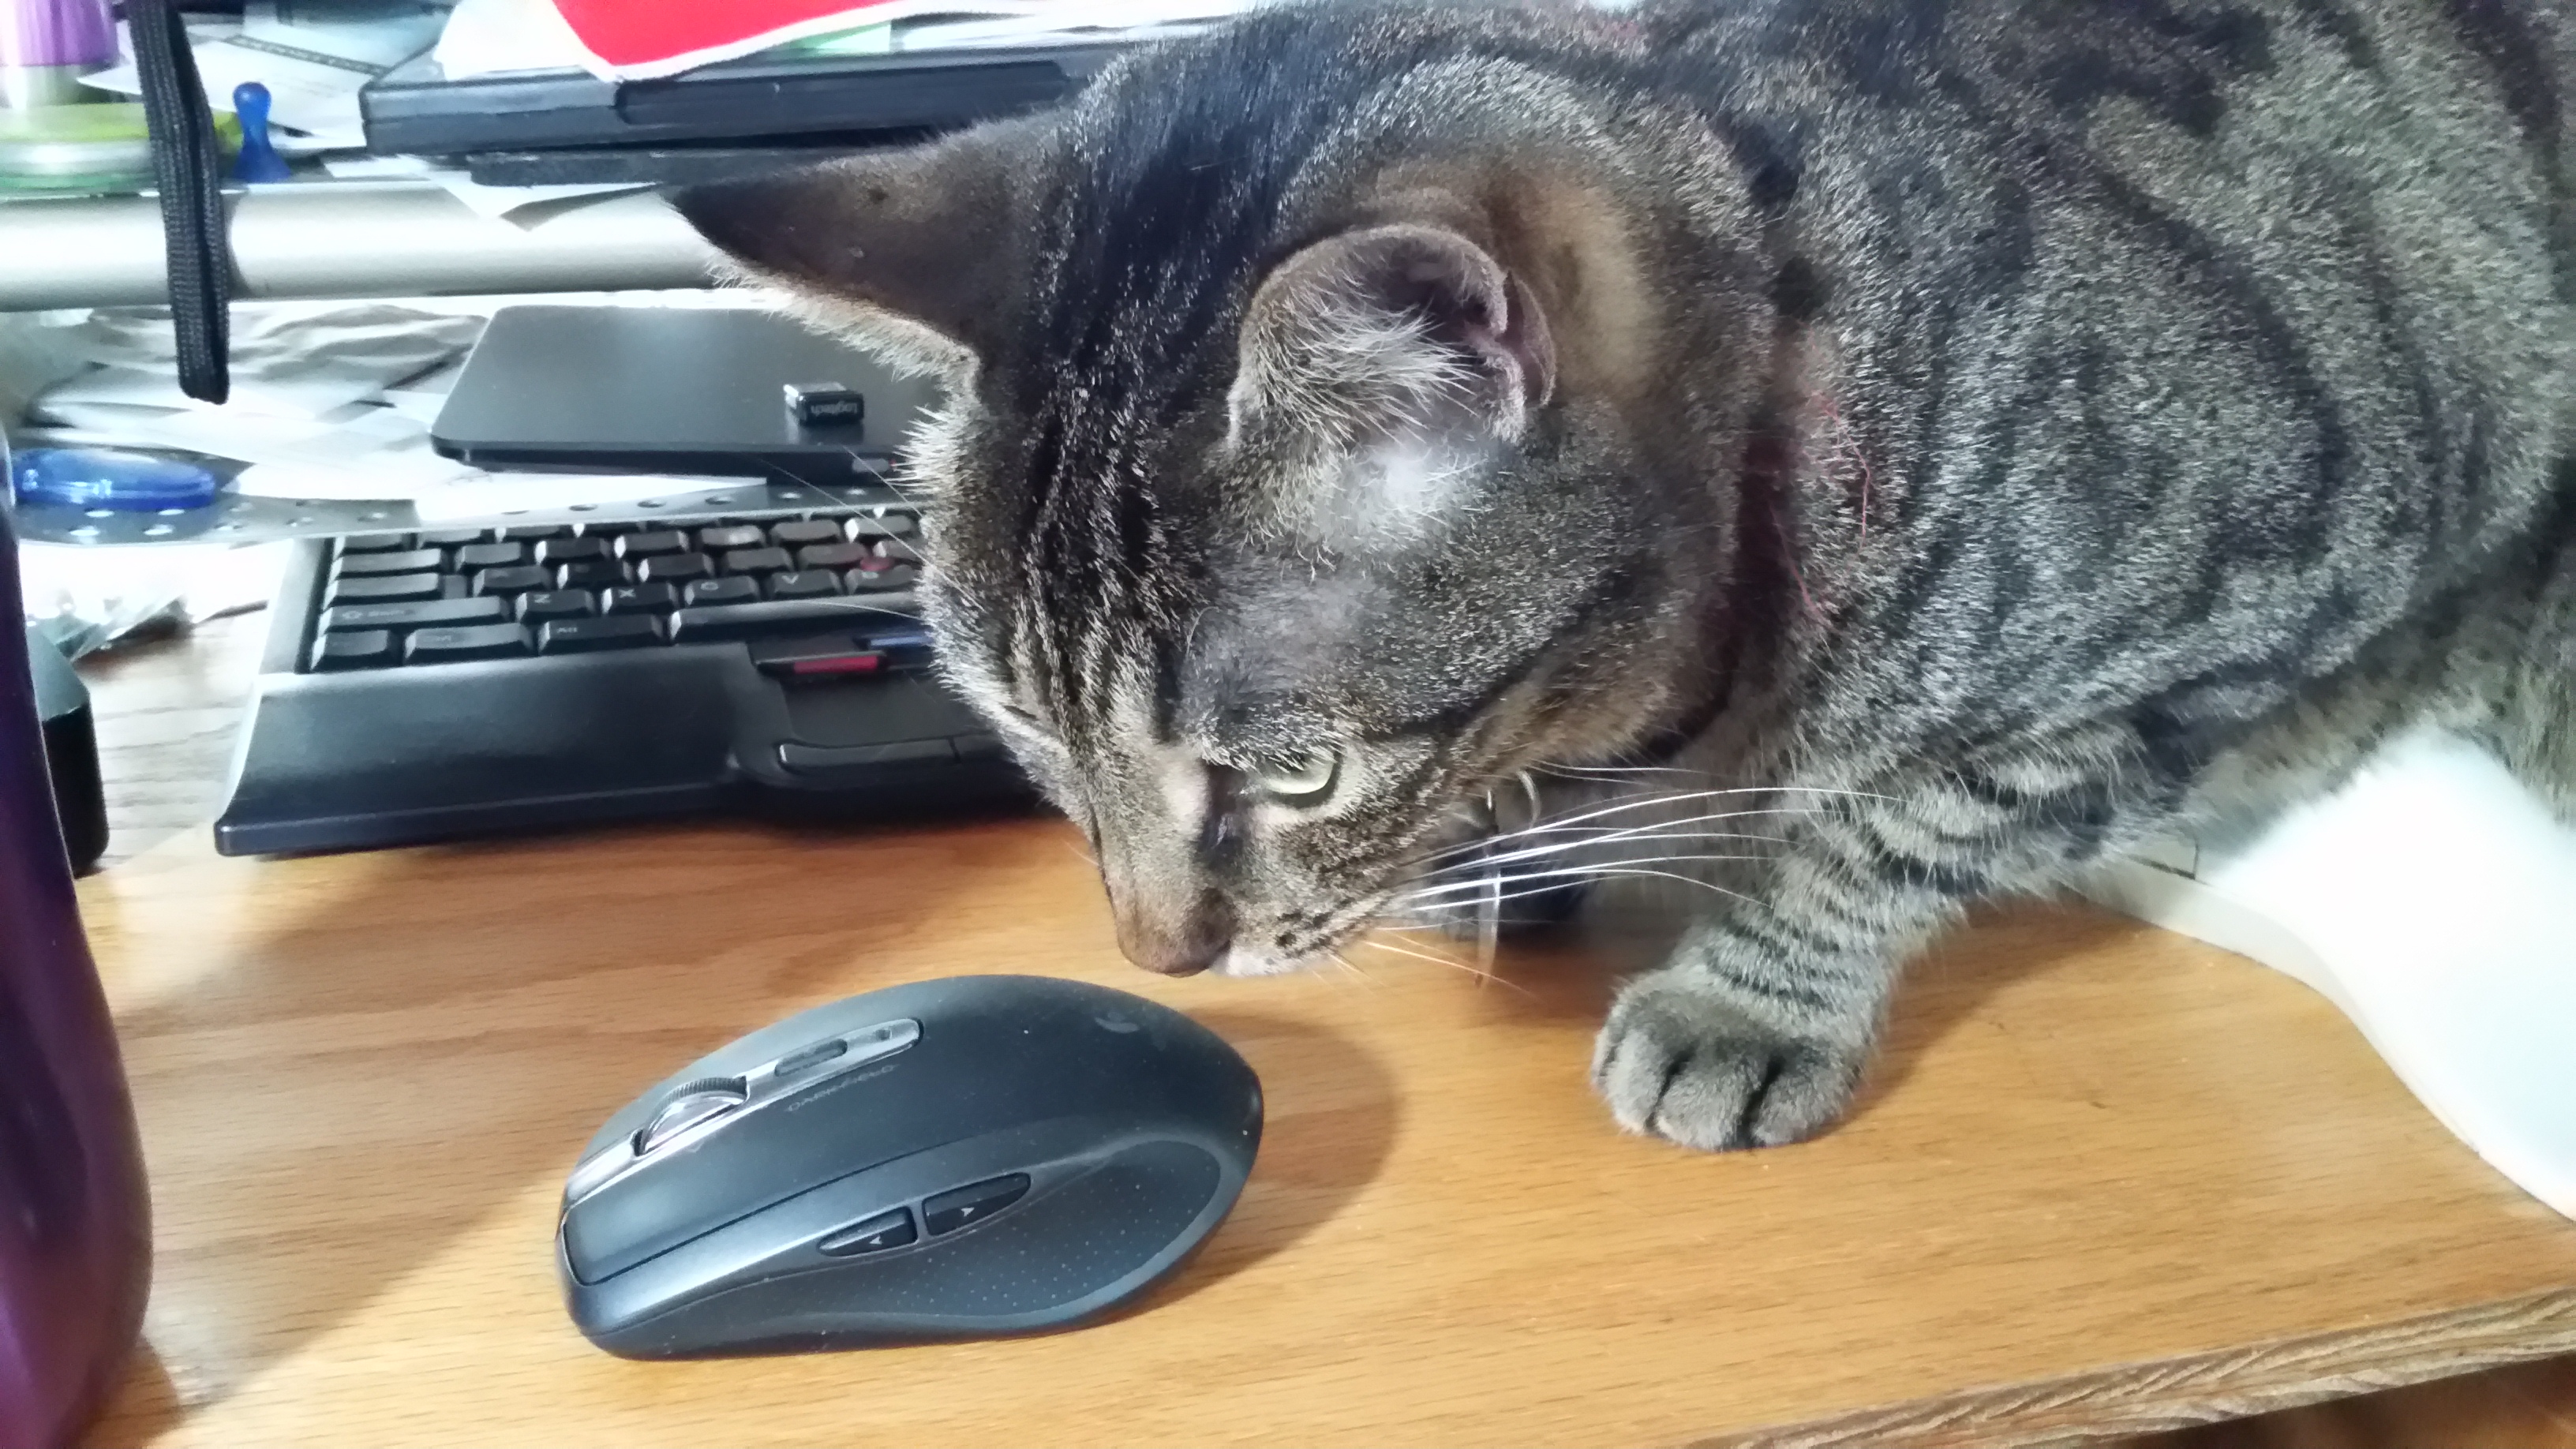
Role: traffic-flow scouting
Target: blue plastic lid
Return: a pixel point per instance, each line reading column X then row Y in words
column 106, row 478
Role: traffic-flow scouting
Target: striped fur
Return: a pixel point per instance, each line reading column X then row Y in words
column 1992, row 432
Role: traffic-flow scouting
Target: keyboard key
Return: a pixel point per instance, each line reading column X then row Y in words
column 468, row 641
column 556, row 604
column 643, row 599
column 450, row 537
column 490, row 556
column 674, row 568
column 571, row 550
column 797, row 532
column 719, row 591
column 878, row 574
column 371, row 565
column 653, row 544
column 378, row 543
column 832, row 555
column 804, row 584
column 583, row 636
column 389, row 589
column 590, row 573
column 531, row 532
column 357, row 649
column 758, row 561
column 899, row 549
column 413, row 616
column 515, row 580
column 734, row 535
column 610, row 528
column 892, row 525
column 772, row 617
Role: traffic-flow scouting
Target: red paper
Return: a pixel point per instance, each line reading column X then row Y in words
column 640, row 39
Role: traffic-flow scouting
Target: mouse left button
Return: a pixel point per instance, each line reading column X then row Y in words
column 696, row 1103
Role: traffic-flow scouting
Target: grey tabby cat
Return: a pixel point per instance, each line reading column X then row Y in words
column 1997, row 430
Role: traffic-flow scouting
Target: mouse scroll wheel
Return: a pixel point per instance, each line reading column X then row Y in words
column 695, row 1103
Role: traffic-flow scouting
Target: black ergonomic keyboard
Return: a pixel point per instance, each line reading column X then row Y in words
column 452, row 682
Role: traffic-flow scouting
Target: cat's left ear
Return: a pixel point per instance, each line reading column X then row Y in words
column 1402, row 333
column 922, row 249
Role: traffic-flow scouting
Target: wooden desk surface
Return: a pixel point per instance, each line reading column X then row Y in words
column 2104, row 1178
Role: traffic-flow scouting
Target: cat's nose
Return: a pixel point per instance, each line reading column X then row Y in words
column 1176, row 942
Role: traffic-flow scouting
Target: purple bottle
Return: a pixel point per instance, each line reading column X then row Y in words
column 46, row 46
column 75, row 1224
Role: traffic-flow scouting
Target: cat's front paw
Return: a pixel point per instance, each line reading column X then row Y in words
column 1677, row 1061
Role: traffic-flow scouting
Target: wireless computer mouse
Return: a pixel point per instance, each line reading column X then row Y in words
column 968, row 1157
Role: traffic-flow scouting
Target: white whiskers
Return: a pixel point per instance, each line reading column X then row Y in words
column 1482, row 974
column 1645, row 802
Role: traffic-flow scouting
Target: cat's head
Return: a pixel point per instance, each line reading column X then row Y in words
column 1301, row 476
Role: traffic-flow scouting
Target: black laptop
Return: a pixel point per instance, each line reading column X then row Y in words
column 689, row 390
column 778, row 98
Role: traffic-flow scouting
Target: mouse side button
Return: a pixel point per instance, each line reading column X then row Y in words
column 834, row 1055
column 876, row 1235
column 973, row 1203
column 805, row 1059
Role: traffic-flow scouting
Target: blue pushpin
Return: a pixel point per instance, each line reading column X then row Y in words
column 258, row 160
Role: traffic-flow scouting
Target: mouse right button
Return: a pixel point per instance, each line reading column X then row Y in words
column 972, row 1203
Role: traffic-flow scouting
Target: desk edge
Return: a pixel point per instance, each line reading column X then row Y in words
column 2178, row 1393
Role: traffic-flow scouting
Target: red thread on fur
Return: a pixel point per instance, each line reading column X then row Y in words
column 1846, row 444
column 1789, row 556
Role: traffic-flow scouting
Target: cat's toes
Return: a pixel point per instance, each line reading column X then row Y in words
column 1676, row 1061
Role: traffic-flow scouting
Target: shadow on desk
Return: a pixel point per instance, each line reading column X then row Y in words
column 373, row 1064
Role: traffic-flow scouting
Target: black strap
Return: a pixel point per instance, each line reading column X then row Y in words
column 187, row 166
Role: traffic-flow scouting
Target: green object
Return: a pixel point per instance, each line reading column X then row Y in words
column 866, row 40
column 84, row 148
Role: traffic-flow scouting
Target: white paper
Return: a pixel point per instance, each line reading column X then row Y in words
column 496, row 37
column 317, row 95
column 294, row 360
column 420, row 398
column 313, row 55
column 306, row 438
column 1052, row 21
column 374, row 452
column 495, row 202
column 490, row 495
column 379, row 34
column 86, row 598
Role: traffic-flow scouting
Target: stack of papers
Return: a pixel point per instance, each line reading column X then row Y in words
column 313, row 55
column 331, row 401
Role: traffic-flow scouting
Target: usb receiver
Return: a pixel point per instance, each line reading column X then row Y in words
column 825, row 405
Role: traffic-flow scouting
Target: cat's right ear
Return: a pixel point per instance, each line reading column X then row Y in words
column 1398, row 333
column 922, row 249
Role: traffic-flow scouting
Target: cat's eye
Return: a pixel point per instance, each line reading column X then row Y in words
column 1301, row 782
